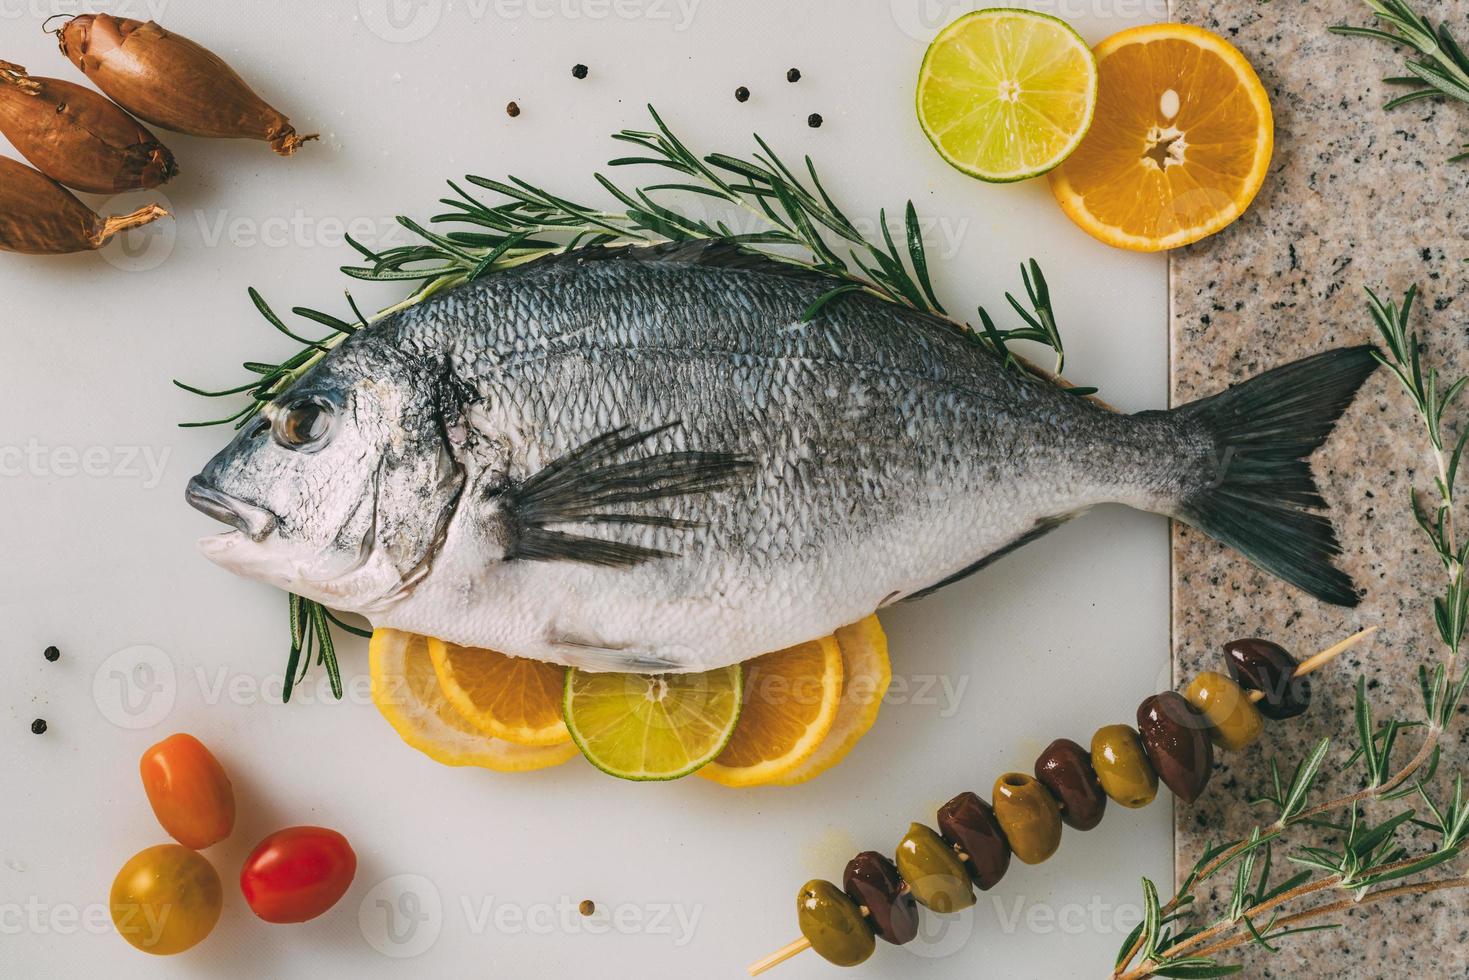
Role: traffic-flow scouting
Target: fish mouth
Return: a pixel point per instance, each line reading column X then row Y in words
column 254, row 522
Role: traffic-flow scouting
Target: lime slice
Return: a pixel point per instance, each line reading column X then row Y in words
column 1007, row 94
column 652, row 726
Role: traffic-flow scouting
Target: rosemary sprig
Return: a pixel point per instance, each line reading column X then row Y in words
column 792, row 218
column 1364, row 854
column 1441, row 71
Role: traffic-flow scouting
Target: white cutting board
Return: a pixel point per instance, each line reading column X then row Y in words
column 468, row 872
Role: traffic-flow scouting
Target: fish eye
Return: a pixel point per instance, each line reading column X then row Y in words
column 304, row 425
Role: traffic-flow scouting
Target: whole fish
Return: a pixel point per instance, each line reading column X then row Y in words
column 650, row 459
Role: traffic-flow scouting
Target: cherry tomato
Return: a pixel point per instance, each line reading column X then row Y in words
column 190, row 794
column 297, row 873
column 166, row 899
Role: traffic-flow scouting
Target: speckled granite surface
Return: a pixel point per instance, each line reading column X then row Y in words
column 1355, row 197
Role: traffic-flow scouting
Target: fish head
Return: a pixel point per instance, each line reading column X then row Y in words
column 339, row 489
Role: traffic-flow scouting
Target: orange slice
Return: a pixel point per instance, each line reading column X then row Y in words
column 790, row 703
column 1179, row 145
column 406, row 690
column 866, row 673
column 506, row 697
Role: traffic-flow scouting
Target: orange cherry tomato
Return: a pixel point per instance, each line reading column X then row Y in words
column 166, row 899
column 190, row 794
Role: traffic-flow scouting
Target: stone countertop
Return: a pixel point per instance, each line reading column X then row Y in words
column 1355, row 197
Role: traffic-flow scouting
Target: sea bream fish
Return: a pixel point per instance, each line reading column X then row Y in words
column 649, row 459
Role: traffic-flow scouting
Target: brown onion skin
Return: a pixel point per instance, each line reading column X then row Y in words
column 172, row 82
column 78, row 138
column 40, row 217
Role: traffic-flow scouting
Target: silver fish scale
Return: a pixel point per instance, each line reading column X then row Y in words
column 891, row 451
column 884, row 452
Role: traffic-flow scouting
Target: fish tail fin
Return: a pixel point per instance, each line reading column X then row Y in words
column 1259, row 494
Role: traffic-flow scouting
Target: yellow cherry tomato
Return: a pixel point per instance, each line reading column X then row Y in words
column 166, row 899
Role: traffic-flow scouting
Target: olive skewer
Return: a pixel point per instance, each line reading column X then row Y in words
column 1173, row 742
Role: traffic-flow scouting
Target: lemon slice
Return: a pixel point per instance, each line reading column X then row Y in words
column 406, row 690
column 791, row 698
column 652, row 726
column 513, row 698
column 1181, row 144
column 1006, row 94
column 866, row 674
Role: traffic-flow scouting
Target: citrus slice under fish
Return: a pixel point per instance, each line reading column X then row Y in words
column 513, row 698
column 1005, row 94
column 866, row 674
column 790, row 703
column 652, row 726
column 406, row 690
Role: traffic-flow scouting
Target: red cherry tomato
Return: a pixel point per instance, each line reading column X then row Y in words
column 190, row 794
column 297, row 873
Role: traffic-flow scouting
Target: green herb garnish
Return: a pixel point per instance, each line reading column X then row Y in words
column 1441, row 71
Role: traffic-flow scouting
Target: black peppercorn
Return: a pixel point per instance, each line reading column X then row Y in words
column 38, row 727
column 794, row 75
column 512, row 110
column 52, row 654
column 579, row 71
column 814, row 120
column 742, row 94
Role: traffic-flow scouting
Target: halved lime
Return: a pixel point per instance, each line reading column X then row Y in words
column 1007, row 94
column 652, row 726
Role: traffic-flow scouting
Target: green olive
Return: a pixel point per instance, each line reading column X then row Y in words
column 1122, row 766
column 833, row 923
column 1029, row 816
column 933, row 871
column 1234, row 721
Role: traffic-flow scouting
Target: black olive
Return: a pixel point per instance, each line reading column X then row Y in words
column 1259, row 665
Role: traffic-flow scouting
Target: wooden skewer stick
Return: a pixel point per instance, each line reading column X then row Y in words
column 1319, row 660
column 780, row 956
column 1312, row 663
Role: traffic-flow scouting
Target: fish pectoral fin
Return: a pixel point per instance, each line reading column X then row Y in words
column 584, row 487
column 587, row 654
